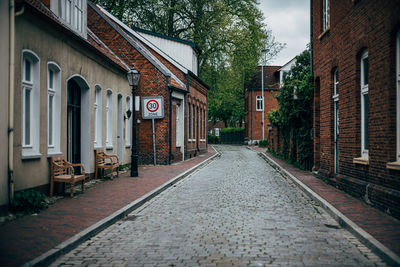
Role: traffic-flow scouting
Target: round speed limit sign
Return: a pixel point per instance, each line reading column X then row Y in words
column 153, row 107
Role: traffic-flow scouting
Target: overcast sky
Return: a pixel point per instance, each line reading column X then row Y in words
column 289, row 21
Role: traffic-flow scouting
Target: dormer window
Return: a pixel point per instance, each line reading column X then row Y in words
column 73, row 14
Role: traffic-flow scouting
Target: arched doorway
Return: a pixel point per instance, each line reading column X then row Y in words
column 78, row 121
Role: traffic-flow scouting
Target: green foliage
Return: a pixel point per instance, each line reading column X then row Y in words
column 263, row 143
column 213, row 139
column 232, row 130
column 229, row 33
column 294, row 118
column 29, row 201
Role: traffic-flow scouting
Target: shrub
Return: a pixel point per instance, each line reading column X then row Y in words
column 232, row 130
column 213, row 139
column 263, row 143
column 29, row 201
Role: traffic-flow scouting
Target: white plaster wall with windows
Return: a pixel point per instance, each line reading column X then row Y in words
column 47, row 44
column 53, row 109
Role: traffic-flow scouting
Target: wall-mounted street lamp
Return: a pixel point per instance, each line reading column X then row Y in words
column 133, row 79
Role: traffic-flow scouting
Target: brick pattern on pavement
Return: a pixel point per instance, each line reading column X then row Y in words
column 236, row 211
column 381, row 226
column 28, row 237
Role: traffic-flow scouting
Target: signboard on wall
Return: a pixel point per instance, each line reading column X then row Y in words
column 152, row 107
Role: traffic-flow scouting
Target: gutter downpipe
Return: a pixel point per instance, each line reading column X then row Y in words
column 11, row 103
column 311, row 41
column 170, row 125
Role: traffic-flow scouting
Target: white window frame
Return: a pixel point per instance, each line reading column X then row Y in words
column 109, row 120
column 97, row 106
column 364, row 91
column 259, row 99
column 398, row 96
column 54, row 126
column 31, row 147
column 326, row 14
column 128, row 126
column 74, row 13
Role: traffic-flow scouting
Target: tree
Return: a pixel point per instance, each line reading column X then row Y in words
column 294, row 118
column 230, row 34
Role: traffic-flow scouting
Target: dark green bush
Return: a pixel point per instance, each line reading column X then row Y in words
column 29, row 201
column 263, row 143
column 213, row 139
column 232, row 130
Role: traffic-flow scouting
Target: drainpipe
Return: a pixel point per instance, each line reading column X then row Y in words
column 170, row 125
column 311, row 40
column 11, row 104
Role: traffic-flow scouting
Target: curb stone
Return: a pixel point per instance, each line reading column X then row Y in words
column 368, row 240
column 71, row 243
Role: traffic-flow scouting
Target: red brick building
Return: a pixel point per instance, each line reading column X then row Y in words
column 253, row 102
column 356, row 101
column 182, row 132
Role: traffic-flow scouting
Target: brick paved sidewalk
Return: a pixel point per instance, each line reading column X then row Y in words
column 28, row 237
column 381, row 226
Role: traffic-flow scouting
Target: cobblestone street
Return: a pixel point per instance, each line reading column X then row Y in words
column 235, row 211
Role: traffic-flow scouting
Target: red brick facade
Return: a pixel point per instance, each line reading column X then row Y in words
column 253, row 117
column 357, row 27
column 155, row 82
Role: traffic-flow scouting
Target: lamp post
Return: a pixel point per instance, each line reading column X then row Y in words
column 263, row 53
column 133, row 79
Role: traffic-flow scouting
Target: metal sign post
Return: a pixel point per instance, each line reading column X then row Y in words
column 153, row 108
column 154, row 142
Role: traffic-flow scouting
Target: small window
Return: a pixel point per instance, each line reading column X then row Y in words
column 259, row 103
column 335, row 83
column 326, row 14
column 72, row 13
column 364, row 66
column 97, row 116
column 109, row 120
column 30, row 105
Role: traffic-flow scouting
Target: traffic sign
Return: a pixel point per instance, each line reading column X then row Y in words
column 153, row 107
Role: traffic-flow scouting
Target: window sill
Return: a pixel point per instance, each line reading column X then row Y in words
column 361, row 161
column 322, row 35
column 98, row 147
column 51, row 154
column 393, row 165
column 31, row 155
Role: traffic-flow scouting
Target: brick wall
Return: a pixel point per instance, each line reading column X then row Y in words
column 354, row 27
column 152, row 83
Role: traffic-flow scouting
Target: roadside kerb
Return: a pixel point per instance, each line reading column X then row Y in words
column 368, row 240
column 71, row 243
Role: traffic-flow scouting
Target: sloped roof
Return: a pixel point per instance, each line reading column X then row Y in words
column 271, row 79
column 92, row 41
column 121, row 29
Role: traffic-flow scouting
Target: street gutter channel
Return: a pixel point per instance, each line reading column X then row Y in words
column 365, row 238
column 63, row 248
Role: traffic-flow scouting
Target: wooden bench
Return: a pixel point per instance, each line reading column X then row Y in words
column 104, row 161
column 63, row 171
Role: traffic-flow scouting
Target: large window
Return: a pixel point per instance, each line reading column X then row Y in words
column 97, row 116
column 326, row 14
column 364, row 66
column 128, row 127
column 30, row 104
column 53, row 108
column 259, row 103
column 72, row 12
column 109, row 120
column 398, row 96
